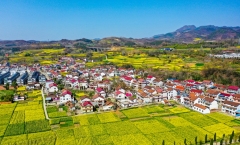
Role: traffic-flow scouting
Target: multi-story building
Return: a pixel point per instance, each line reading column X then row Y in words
column 232, row 108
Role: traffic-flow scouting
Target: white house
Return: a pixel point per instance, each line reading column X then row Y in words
column 200, row 108
column 210, row 103
column 144, row 96
column 53, row 88
column 232, row 108
column 66, row 96
column 98, row 100
column 171, row 93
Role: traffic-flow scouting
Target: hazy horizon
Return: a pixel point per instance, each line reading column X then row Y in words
column 55, row 20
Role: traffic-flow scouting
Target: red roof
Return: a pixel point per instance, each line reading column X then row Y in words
column 52, row 84
column 196, row 91
column 190, row 81
column 200, row 106
column 128, row 78
column 189, row 85
column 65, row 92
column 128, row 94
column 233, row 88
column 118, row 92
column 181, row 88
column 99, row 90
column 149, row 77
column 225, row 94
column 87, row 103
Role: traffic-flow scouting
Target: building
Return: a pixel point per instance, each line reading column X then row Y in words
column 200, row 108
column 12, row 78
column 42, row 79
column 86, row 107
column 232, row 108
column 22, row 80
column 4, row 75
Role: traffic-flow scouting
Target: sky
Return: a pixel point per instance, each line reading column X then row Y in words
column 74, row 19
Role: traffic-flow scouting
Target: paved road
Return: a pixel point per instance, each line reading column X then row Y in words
column 44, row 105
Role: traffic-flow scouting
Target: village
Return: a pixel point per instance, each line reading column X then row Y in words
column 104, row 88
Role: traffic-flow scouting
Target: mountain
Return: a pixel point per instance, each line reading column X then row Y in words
column 188, row 33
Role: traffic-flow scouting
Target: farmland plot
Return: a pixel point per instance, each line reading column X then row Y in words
column 121, row 128
column 220, row 129
column 107, row 117
column 150, row 126
column 135, row 113
column 168, row 137
column 198, row 119
column 220, row 117
column 130, row 139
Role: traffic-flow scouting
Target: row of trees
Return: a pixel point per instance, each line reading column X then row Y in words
column 223, row 141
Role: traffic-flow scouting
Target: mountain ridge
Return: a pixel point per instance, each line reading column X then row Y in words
column 188, row 33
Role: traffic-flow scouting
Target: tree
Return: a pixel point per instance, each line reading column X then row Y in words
column 200, row 142
column 221, row 142
column 206, row 138
column 185, row 141
column 163, row 143
column 211, row 142
column 239, row 138
column 231, row 138
column 6, row 86
column 215, row 136
column 174, row 143
column 14, row 84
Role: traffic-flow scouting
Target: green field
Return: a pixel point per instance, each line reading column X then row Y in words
column 24, row 123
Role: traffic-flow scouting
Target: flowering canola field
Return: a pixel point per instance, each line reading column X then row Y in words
column 24, row 123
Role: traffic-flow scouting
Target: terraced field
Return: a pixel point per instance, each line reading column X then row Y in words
column 24, row 123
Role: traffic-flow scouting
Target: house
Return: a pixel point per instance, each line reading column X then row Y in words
column 144, row 96
column 18, row 98
column 120, row 94
column 150, row 79
column 53, row 88
column 224, row 96
column 208, row 83
column 193, row 99
column 213, row 93
column 86, row 107
column 236, row 98
column 179, row 88
column 101, row 92
column 171, row 93
column 157, row 82
column 66, row 96
column 107, row 106
column 200, row 108
column 232, row 108
column 210, row 103
column 84, row 98
column 98, row 100
column 197, row 92
column 233, row 89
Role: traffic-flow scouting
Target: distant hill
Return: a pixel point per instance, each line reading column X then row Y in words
column 188, row 33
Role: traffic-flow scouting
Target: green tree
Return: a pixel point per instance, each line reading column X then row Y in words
column 215, row 137
column 221, row 142
column 231, row 138
column 206, row 138
column 163, row 143
column 6, row 86
column 211, row 142
column 196, row 140
column 14, row 84
column 185, row 141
